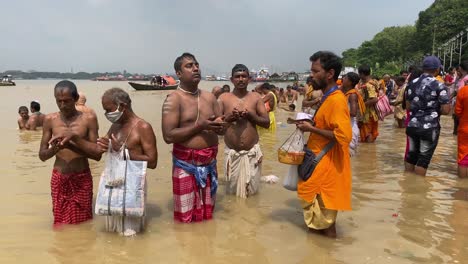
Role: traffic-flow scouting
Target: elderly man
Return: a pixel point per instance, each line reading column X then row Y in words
column 244, row 110
column 191, row 120
column 328, row 190
column 135, row 134
column 37, row 118
column 23, row 117
column 71, row 137
column 426, row 100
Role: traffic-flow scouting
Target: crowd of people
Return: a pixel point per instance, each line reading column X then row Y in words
column 341, row 111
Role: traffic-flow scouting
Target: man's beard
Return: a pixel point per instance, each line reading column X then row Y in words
column 320, row 85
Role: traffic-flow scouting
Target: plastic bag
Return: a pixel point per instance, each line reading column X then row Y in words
column 292, row 150
column 121, row 188
column 291, row 179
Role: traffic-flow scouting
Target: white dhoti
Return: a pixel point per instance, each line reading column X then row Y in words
column 353, row 145
column 243, row 170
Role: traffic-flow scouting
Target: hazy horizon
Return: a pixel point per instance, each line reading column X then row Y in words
column 145, row 37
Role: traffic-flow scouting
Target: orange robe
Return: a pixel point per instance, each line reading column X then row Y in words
column 461, row 110
column 332, row 176
column 361, row 105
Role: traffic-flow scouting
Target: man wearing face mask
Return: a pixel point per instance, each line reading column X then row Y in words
column 71, row 137
column 191, row 121
column 129, row 131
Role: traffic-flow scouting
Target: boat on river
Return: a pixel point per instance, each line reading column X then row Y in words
column 151, row 87
column 7, row 80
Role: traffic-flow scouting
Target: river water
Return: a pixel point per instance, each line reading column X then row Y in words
column 397, row 217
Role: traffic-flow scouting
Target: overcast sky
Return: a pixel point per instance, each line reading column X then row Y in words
column 147, row 35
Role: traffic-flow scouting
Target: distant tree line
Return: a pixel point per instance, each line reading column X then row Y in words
column 395, row 48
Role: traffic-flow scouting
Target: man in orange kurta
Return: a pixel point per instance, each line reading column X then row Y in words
column 461, row 110
column 329, row 187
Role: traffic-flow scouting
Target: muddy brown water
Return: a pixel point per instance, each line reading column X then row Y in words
column 396, row 218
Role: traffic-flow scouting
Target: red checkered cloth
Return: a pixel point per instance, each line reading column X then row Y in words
column 72, row 197
column 192, row 204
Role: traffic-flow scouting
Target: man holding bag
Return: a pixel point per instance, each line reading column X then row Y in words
column 328, row 189
column 128, row 132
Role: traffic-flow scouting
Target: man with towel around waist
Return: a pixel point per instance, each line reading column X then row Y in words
column 244, row 110
column 71, row 137
column 191, row 120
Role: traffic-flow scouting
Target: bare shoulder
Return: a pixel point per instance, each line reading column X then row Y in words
column 208, row 95
column 144, row 125
column 255, row 96
column 224, row 96
column 51, row 117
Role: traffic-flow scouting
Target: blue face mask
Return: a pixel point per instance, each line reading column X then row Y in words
column 113, row 117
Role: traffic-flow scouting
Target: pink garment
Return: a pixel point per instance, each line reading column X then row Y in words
column 464, row 162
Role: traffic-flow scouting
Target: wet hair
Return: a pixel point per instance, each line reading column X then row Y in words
column 281, row 89
column 266, row 86
column 292, row 106
column 400, row 79
column 118, row 96
column 415, row 73
column 240, row 68
column 353, row 78
column 178, row 61
column 226, row 88
column 364, row 69
column 329, row 61
column 309, row 80
column 464, row 65
column 23, row 108
column 36, row 106
column 404, row 71
column 289, row 87
column 65, row 84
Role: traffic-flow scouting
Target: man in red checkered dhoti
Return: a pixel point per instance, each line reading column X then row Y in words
column 71, row 137
column 191, row 120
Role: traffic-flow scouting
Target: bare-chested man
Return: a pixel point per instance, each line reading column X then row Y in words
column 291, row 95
column 270, row 101
column 71, row 137
column 81, row 105
column 191, row 120
column 137, row 136
column 24, row 117
column 37, row 118
column 244, row 110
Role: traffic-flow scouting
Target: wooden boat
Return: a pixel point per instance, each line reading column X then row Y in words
column 150, row 87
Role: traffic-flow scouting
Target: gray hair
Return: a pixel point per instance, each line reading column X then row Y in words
column 118, row 96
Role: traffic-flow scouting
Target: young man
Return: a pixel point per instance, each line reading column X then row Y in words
column 37, row 118
column 244, row 111
column 191, row 120
column 356, row 107
column 137, row 136
column 328, row 190
column 426, row 100
column 369, row 89
column 71, row 137
column 24, row 117
column 291, row 95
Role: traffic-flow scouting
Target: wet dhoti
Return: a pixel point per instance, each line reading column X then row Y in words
column 243, row 170
column 194, row 183
column 316, row 216
column 72, row 196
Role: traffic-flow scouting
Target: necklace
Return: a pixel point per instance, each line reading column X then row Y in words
column 188, row 92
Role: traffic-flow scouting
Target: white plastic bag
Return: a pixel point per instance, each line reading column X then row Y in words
column 121, row 188
column 291, row 179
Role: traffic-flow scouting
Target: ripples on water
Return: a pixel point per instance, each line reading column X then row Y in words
column 397, row 217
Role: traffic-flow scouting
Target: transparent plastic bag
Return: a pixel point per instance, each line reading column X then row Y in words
column 292, row 150
column 291, row 179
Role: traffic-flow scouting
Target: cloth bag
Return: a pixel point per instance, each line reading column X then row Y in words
column 291, row 152
column 307, row 167
column 121, row 188
column 383, row 108
column 291, row 179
